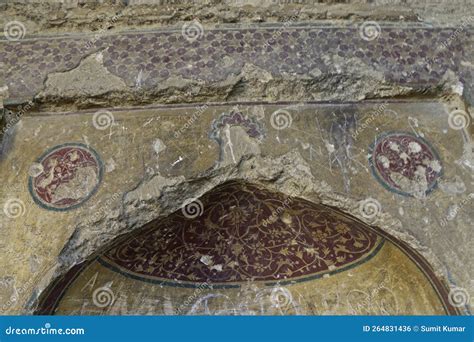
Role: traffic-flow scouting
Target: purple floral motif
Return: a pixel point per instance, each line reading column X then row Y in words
column 235, row 118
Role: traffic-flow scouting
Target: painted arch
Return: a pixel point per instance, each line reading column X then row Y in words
column 243, row 249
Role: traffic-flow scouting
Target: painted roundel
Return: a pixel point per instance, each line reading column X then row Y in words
column 65, row 176
column 405, row 164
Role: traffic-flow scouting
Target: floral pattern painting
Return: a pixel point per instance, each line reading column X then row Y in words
column 244, row 233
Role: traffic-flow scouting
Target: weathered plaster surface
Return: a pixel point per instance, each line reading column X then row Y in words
column 154, row 174
column 158, row 158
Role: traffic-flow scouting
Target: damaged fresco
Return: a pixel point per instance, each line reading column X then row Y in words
column 288, row 160
column 244, row 259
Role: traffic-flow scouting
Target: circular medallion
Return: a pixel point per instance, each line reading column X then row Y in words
column 68, row 175
column 405, row 164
